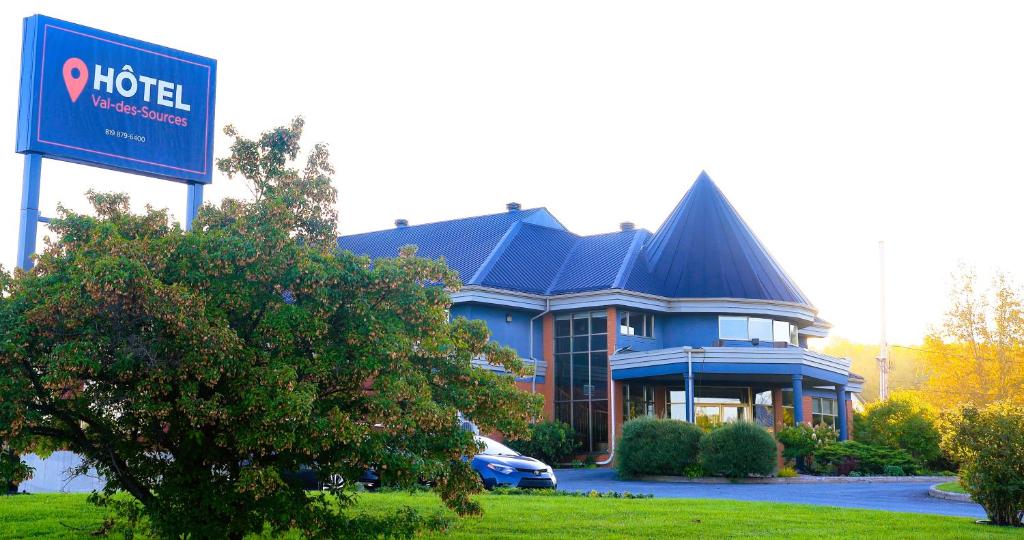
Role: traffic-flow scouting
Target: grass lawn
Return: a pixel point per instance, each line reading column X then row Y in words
column 512, row 516
column 953, row 487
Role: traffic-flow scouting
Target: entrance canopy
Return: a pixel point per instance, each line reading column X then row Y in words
column 753, row 364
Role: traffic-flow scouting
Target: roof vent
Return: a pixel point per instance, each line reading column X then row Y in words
column 401, row 223
column 514, row 207
column 626, row 226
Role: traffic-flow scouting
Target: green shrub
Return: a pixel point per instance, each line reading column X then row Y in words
column 801, row 442
column 552, row 442
column 787, row 472
column 657, row 446
column 694, row 471
column 903, row 421
column 988, row 444
column 738, row 450
column 866, row 459
column 893, row 470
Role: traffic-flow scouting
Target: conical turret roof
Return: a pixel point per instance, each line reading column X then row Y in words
column 705, row 250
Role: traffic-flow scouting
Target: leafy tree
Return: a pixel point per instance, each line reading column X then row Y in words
column 988, row 443
column 903, row 421
column 908, row 367
column 198, row 370
column 977, row 357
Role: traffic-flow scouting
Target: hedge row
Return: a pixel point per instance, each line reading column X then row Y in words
column 658, row 446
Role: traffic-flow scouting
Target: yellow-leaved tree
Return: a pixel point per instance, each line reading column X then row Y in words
column 977, row 356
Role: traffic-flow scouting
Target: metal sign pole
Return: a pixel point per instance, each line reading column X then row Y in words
column 30, row 217
column 29, row 210
column 195, row 200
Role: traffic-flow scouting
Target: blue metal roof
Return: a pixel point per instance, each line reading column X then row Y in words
column 702, row 250
column 593, row 263
column 530, row 260
column 705, row 250
column 464, row 243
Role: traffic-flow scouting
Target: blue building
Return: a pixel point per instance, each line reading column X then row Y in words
column 695, row 321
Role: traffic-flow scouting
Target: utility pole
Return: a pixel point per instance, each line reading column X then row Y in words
column 883, row 351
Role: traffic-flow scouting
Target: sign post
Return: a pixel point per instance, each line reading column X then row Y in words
column 106, row 100
column 29, row 210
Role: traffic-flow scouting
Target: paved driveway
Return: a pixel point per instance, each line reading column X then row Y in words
column 897, row 497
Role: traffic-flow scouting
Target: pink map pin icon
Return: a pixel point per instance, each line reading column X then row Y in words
column 75, row 77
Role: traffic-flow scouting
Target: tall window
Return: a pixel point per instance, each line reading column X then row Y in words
column 637, row 401
column 747, row 328
column 788, row 418
column 676, row 405
column 823, row 411
column 764, row 411
column 634, row 323
column 581, row 376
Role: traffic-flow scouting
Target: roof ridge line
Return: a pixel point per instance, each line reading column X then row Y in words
column 492, row 257
column 525, row 211
column 561, row 267
column 629, row 261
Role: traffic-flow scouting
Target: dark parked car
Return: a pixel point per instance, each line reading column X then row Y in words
column 311, row 480
column 499, row 465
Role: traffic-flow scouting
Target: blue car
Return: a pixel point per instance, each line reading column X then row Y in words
column 499, row 465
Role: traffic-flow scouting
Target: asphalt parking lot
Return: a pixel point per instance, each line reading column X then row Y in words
column 892, row 496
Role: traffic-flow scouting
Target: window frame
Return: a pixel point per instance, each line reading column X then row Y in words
column 646, row 324
column 792, row 339
column 746, row 336
column 818, row 415
column 589, row 405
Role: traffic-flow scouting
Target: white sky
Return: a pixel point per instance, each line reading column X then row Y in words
column 829, row 127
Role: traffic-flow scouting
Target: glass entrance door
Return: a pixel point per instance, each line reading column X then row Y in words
column 720, row 404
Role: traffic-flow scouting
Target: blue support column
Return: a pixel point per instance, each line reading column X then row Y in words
column 195, row 200
column 29, row 210
column 798, row 399
column 691, row 417
column 842, row 420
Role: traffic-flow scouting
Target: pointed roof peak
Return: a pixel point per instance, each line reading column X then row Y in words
column 705, row 249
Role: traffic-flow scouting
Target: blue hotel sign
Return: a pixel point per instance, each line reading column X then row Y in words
column 102, row 99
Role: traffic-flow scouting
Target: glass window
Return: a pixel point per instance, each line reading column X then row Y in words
column 676, row 404
column 732, row 328
column 563, row 379
column 581, row 324
column 634, row 323
column 581, row 388
column 787, row 407
column 494, row 448
column 760, row 329
column 637, row 400
column 764, row 410
column 581, row 376
column 718, row 404
column 562, row 323
column 721, row 394
column 823, row 411
column 707, row 416
column 780, row 330
column 747, row 328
